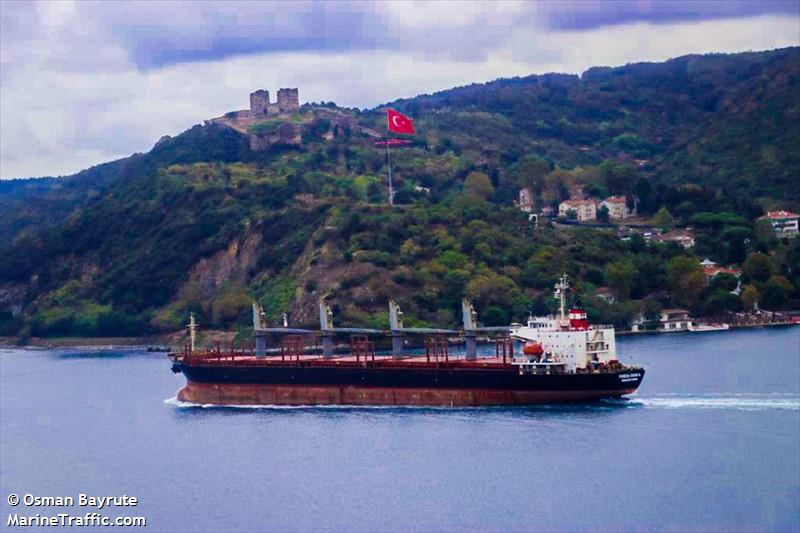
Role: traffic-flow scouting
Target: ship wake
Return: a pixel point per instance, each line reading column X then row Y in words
column 737, row 402
column 175, row 402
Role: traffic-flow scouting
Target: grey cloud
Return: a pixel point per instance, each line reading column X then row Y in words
column 158, row 34
column 581, row 15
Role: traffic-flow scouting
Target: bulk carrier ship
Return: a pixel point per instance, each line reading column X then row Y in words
column 563, row 359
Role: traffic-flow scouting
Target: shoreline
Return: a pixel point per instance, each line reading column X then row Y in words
column 84, row 342
column 733, row 327
column 157, row 343
column 168, row 342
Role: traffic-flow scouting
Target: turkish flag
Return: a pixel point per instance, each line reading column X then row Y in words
column 399, row 123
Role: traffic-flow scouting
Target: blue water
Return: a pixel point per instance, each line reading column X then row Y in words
column 710, row 442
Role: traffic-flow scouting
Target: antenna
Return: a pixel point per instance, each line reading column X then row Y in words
column 561, row 293
column 192, row 331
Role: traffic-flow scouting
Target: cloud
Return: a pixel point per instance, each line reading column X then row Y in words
column 580, row 14
column 158, row 34
column 82, row 85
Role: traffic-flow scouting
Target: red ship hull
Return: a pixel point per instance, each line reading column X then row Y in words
column 263, row 394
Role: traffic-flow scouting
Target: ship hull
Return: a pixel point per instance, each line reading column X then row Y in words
column 219, row 385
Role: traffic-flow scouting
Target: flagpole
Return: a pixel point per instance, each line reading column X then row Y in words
column 389, row 165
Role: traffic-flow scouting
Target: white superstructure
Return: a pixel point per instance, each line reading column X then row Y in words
column 567, row 342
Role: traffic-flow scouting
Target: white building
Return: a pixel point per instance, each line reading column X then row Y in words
column 584, row 209
column 669, row 320
column 617, row 207
column 526, row 200
column 684, row 237
column 784, row 223
column 675, row 319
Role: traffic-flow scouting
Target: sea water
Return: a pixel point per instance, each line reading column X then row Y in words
column 710, row 442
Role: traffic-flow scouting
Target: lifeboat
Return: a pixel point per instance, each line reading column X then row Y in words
column 532, row 348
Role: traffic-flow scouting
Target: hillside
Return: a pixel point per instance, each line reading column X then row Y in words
column 208, row 220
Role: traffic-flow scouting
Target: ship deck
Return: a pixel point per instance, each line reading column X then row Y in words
column 346, row 360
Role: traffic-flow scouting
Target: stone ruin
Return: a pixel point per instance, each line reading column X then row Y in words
column 288, row 100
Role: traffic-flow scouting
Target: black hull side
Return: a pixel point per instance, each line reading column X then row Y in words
column 501, row 379
column 297, row 385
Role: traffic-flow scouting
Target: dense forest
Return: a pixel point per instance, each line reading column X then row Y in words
column 204, row 223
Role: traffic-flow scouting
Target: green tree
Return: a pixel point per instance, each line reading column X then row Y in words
column 651, row 309
column 479, row 184
column 618, row 178
column 530, row 172
column 488, row 288
column 470, row 206
column 619, row 313
column 765, row 235
column 452, row 259
column 663, row 219
column 495, row 316
column 723, row 281
column 545, row 266
column 686, row 280
column 620, row 277
column 455, row 282
column 721, row 302
column 602, row 214
column 775, row 293
column 749, row 297
column 758, row 267
column 409, row 251
column 557, row 185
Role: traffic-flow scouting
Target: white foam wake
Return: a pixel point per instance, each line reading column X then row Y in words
column 741, row 402
column 174, row 401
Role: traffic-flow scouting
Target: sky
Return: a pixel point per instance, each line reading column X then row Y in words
column 84, row 82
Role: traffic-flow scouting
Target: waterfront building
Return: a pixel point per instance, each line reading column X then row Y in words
column 668, row 320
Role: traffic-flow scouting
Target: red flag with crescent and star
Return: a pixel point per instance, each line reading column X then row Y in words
column 399, row 123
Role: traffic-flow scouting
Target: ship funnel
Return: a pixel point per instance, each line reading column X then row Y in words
column 469, row 316
column 325, row 316
column 395, row 316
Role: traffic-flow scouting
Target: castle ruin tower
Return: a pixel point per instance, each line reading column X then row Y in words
column 259, row 102
column 288, row 99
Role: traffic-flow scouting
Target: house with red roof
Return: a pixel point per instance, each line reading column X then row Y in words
column 712, row 271
column 617, row 207
column 584, row 209
column 784, row 223
column 684, row 237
